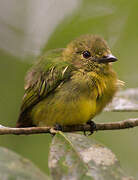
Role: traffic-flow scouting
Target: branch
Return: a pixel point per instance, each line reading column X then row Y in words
column 130, row 123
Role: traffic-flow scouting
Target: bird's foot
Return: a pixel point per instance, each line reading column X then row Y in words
column 58, row 127
column 92, row 127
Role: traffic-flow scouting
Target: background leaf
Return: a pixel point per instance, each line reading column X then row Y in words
column 14, row 167
column 75, row 156
column 126, row 100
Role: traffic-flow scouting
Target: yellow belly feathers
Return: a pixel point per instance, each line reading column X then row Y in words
column 73, row 102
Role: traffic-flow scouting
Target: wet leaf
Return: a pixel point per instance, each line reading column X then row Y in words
column 126, row 100
column 15, row 167
column 77, row 157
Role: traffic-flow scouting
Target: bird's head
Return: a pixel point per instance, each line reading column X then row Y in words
column 90, row 50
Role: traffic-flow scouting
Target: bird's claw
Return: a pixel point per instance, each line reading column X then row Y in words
column 92, row 128
column 58, row 127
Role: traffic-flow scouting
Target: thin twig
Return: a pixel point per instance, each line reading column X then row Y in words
column 130, row 123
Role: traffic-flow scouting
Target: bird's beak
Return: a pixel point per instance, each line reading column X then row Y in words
column 107, row 59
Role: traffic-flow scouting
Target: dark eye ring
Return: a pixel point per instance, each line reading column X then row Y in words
column 86, row 54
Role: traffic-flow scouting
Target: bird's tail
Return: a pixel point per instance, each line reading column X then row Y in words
column 24, row 121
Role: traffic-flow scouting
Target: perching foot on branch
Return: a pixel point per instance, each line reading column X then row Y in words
column 92, row 128
column 58, row 127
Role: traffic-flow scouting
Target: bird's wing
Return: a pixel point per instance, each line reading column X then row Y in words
column 44, row 77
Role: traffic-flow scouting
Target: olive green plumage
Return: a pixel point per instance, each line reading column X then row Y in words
column 69, row 86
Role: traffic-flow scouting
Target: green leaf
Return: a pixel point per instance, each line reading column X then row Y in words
column 15, row 167
column 75, row 156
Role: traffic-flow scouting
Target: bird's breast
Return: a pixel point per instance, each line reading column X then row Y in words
column 75, row 101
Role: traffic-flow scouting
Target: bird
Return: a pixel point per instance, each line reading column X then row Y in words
column 69, row 86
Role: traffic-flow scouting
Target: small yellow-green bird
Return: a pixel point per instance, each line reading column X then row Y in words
column 69, row 86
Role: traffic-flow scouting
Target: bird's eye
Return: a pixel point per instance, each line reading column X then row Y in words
column 86, row 54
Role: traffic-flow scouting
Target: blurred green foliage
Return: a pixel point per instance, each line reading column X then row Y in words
column 117, row 22
column 13, row 166
column 75, row 156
